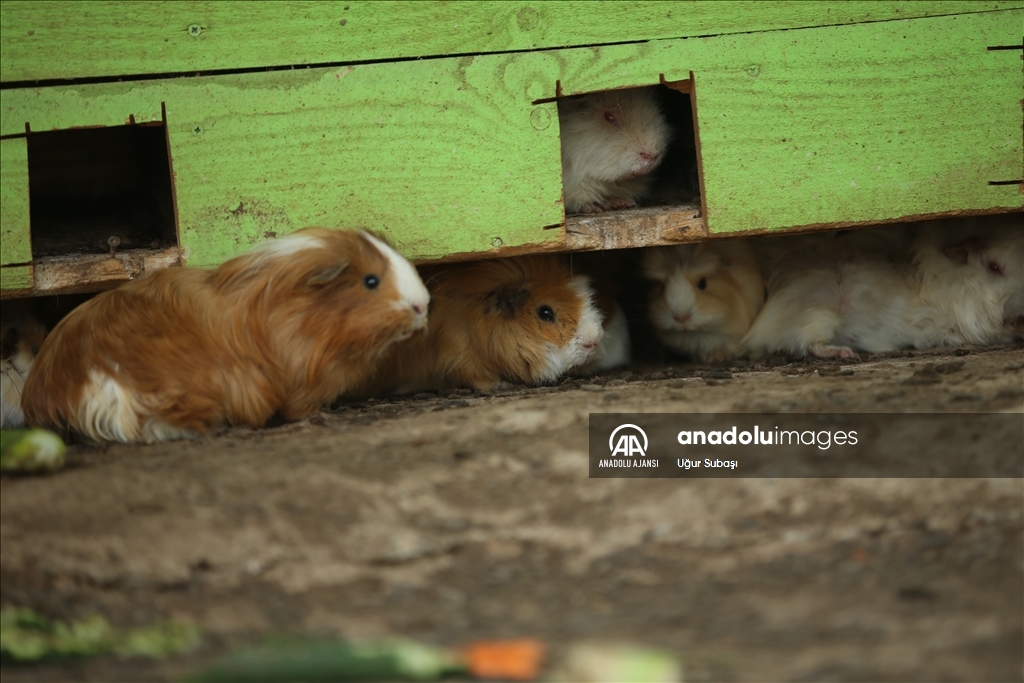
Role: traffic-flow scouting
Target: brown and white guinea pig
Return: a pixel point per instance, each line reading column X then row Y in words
column 523, row 319
column 22, row 334
column 278, row 331
column 705, row 296
column 944, row 292
column 611, row 141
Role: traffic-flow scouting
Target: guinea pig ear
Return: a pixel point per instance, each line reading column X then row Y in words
column 326, row 275
column 507, row 301
column 1016, row 326
column 959, row 252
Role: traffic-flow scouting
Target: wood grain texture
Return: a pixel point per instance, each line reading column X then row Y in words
column 643, row 227
column 843, row 124
column 15, row 246
column 15, row 281
column 440, row 156
column 834, row 125
column 59, row 40
column 67, row 275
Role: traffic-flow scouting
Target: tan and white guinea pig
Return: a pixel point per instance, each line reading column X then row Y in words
column 944, row 292
column 705, row 296
column 22, row 335
column 523, row 319
column 278, row 331
column 611, row 141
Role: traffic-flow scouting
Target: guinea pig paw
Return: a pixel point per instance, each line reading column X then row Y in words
column 613, row 203
column 827, row 351
column 587, row 208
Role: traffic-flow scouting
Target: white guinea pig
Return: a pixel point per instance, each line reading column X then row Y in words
column 705, row 297
column 22, row 335
column 278, row 331
column 525, row 319
column 615, row 349
column 611, row 141
column 941, row 293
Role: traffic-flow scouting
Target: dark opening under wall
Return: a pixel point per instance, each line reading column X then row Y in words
column 88, row 185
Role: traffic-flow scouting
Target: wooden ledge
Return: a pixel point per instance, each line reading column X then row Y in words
column 644, row 227
column 95, row 272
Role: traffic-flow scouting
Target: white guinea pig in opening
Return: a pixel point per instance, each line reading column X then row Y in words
column 969, row 292
column 278, row 331
column 706, row 296
column 611, row 141
column 22, row 335
column 522, row 319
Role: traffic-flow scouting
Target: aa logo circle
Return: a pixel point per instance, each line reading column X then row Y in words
column 628, row 442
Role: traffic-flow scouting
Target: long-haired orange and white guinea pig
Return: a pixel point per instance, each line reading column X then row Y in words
column 527, row 319
column 704, row 296
column 278, row 331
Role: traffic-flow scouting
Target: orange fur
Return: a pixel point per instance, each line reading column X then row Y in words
column 485, row 327
column 191, row 350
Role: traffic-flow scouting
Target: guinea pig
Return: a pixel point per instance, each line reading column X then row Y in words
column 524, row 319
column 611, row 141
column 277, row 331
column 615, row 349
column 705, row 296
column 969, row 292
column 22, row 335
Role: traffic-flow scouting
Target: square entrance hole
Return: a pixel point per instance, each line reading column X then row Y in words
column 629, row 147
column 87, row 185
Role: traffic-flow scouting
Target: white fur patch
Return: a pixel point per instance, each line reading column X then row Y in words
column 614, row 349
column 12, row 381
column 288, row 245
column 109, row 412
column 588, row 331
column 407, row 280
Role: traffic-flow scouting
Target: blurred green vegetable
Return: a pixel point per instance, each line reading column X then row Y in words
column 26, row 636
column 313, row 661
column 30, row 450
column 607, row 663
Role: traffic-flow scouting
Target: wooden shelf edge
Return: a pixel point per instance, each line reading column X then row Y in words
column 94, row 272
column 645, row 227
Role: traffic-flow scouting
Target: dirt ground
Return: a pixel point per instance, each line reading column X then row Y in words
column 452, row 518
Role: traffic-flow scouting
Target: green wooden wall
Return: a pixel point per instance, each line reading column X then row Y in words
column 90, row 38
column 839, row 124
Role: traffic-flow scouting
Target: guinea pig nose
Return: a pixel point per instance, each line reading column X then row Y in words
column 683, row 318
column 418, row 309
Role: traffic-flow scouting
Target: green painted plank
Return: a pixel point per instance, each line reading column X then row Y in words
column 51, row 40
column 864, row 123
column 441, row 156
column 15, row 244
column 15, row 278
column 836, row 124
column 842, row 124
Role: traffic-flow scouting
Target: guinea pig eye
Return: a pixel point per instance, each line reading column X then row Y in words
column 546, row 313
column 609, row 116
column 995, row 268
column 703, row 284
column 371, row 281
